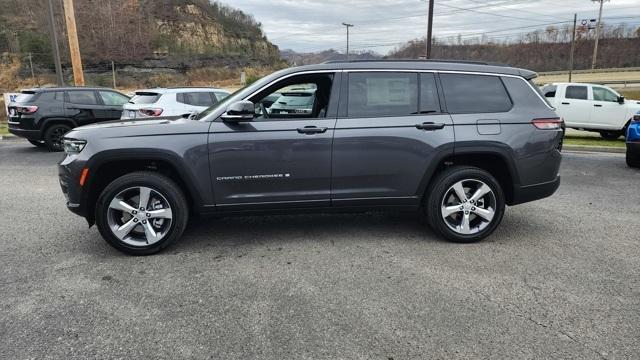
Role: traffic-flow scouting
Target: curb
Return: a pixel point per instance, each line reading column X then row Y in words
column 604, row 149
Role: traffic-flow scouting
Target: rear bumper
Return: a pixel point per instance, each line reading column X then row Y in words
column 27, row 134
column 523, row 194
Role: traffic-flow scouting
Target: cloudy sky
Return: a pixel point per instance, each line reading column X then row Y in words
column 315, row 25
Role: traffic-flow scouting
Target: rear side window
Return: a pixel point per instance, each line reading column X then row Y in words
column 82, row 97
column 382, row 94
column 25, row 97
column 50, row 96
column 111, row 98
column 549, row 91
column 466, row 94
column 576, row 92
column 145, row 98
column 196, row 98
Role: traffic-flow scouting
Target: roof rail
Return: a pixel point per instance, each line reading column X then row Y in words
column 419, row 60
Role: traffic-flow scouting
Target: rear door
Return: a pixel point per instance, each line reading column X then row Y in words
column 575, row 107
column 84, row 107
column 390, row 129
column 607, row 112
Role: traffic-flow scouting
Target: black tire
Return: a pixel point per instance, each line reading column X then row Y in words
column 440, row 187
column 610, row 135
column 37, row 143
column 53, row 136
column 160, row 184
column 633, row 159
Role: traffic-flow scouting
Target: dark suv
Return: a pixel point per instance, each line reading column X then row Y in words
column 44, row 115
column 455, row 140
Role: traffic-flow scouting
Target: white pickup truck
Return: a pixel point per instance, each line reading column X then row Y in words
column 591, row 107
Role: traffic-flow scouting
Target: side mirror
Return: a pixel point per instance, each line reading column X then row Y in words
column 620, row 99
column 189, row 115
column 239, row 111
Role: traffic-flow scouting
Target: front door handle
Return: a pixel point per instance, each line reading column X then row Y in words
column 565, row 103
column 312, row 130
column 597, row 105
column 430, row 126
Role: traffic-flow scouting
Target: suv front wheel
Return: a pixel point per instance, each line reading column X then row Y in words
column 141, row 213
column 465, row 204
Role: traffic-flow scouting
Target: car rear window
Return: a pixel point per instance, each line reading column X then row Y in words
column 465, row 93
column 382, row 94
column 144, row 98
column 25, row 97
column 296, row 99
column 199, row 98
column 576, row 92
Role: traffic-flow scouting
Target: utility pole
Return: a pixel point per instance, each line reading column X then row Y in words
column 113, row 72
column 54, row 45
column 429, row 28
column 74, row 47
column 573, row 45
column 598, row 26
column 33, row 75
column 347, row 26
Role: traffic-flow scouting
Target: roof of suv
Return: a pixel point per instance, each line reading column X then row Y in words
column 442, row 65
column 178, row 90
column 45, row 89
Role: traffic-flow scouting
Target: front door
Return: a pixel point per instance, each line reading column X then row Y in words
column 387, row 135
column 283, row 157
column 607, row 112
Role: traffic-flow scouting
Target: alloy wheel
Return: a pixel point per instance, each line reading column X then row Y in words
column 468, row 206
column 139, row 216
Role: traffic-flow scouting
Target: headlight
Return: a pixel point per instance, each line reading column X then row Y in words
column 73, row 146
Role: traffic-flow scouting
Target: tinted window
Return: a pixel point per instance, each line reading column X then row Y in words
column 382, row 94
column 113, row 98
column 86, row 97
column 196, row 98
column 549, row 91
column 50, row 96
column 602, row 94
column 429, row 102
column 25, row 97
column 144, row 98
column 474, row 94
column 576, row 92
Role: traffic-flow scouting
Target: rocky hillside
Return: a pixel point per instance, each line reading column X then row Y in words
column 170, row 33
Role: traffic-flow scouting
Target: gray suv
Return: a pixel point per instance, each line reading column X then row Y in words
column 457, row 141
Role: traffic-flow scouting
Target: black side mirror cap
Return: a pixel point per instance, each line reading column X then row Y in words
column 621, row 99
column 239, row 111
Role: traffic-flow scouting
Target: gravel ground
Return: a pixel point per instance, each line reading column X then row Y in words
column 559, row 279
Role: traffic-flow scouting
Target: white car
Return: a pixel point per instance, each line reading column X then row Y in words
column 592, row 107
column 163, row 102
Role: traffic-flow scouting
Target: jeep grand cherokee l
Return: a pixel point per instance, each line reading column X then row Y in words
column 457, row 141
column 44, row 115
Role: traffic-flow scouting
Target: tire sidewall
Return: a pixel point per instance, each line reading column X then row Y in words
column 47, row 136
column 441, row 186
column 157, row 183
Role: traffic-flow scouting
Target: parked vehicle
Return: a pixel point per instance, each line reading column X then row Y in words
column 633, row 142
column 44, row 115
column 592, row 107
column 172, row 102
column 293, row 102
column 455, row 140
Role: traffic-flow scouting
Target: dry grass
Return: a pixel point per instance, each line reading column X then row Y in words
column 589, row 77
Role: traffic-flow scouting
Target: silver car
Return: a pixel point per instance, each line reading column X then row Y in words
column 170, row 102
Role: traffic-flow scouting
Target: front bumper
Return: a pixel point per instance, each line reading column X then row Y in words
column 69, row 178
column 523, row 194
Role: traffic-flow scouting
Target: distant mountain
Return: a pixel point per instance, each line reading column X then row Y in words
column 296, row 58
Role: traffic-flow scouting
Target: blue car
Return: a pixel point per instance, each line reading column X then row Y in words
column 633, row 142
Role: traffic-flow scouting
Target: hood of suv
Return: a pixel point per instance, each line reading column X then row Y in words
column 132, row 128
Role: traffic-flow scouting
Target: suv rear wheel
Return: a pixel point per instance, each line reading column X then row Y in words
column 54, row 135
column 141, row 213
column 465, row 204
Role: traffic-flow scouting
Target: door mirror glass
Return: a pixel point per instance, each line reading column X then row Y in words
column 239, row 111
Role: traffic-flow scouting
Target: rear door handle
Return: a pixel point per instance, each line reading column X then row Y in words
column 565, row 103
column 430, row 126
column 312, row 130
column 597, row 105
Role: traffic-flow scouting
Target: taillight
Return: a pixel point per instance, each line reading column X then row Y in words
column 547, row 124
column 27, row 109
column 151, row 112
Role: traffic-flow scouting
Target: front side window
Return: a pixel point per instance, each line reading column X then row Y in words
column 604, row 94
column 576, row 92
column 304, row 96
column 382, row 94
column 111, row 98
column 465, row 93
column 84, row 97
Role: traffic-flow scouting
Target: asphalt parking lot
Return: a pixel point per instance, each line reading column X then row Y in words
column 560, row 278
